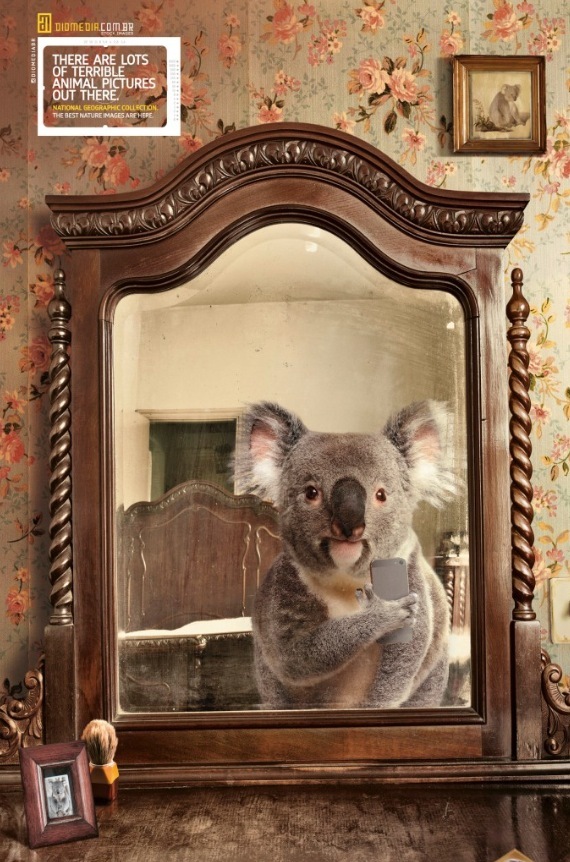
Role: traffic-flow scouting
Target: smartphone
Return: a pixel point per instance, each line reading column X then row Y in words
column 390, row 581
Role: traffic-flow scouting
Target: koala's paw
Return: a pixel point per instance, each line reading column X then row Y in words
column 410, row 606
column 393, row 614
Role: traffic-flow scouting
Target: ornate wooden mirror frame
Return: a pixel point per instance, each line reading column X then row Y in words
column 164, row 235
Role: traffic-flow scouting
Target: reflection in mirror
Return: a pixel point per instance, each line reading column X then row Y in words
column 288, row 314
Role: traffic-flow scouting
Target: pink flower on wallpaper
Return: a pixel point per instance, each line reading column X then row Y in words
column 270, row 114
column 36, row 355
column 95, row 152
column 285, row 24
column 550, row 188
column 555, row 555
column 12, row 254
column 187, row 93
column 152, row 70
column 504, row 23
column 284, row 84
column 9, row 306
column 342, row 122
column 526, row 9
column 190, row 143
column 11, row 448
column 7, row 321
column 540, row 413
column 372, row 16
column 370, row 77
column 17, row 604
column 540, row 416
column 229, row 48
column 15, row 401
column 117, row 171
column 450, row 43
column 549, row 38
column 538, row 366
column 560, row 162
column 22, row 575
column 42, row 289
column 561, row 447
column 149, row 18
column 439, row 171
column 403, row 85
column 327, row 43
column 544, row 500
column 49, row 241
column 4, row 175
column 559, row 459
column 414, row 140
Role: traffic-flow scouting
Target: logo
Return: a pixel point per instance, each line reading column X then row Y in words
column 44, row 22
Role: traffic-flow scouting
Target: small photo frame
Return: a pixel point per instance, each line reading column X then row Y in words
column 58, row 797
column 499, row 104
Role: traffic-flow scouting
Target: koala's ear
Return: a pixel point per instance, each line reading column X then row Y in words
column 267, row 433
column 422, row 434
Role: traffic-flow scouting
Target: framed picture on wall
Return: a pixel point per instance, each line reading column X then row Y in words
column 58, row 797
column 499, row 104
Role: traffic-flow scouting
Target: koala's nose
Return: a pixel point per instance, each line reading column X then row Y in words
column 348, row 504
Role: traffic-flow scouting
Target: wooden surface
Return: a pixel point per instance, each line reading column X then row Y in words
column 310, row 824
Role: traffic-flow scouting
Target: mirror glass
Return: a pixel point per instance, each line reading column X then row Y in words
column 290, row 314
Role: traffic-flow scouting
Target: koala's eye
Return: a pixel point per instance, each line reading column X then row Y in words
column 312, row 494
column 381, row 495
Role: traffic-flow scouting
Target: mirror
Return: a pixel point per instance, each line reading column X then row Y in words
column 289, row 313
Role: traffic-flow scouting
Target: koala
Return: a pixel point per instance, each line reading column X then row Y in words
column 503, row 111
column 59, row 801
column 345, row 499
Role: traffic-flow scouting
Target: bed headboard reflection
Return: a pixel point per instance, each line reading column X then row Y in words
column 198, row 531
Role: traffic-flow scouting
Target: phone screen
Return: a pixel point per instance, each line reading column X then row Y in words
column 390, row 581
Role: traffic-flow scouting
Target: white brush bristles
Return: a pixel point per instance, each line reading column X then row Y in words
column 101, row 742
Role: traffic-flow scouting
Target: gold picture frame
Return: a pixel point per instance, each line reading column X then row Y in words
column 499, row 104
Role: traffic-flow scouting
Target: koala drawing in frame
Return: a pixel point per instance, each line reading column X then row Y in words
column 344, row 500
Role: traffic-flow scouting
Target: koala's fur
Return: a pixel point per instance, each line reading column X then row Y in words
column 345, row 500
column 503, row 111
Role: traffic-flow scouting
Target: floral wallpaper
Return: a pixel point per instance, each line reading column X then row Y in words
column 379, row 70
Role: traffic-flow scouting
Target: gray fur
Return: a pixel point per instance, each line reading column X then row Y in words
column 504, row 112
column 316, row 622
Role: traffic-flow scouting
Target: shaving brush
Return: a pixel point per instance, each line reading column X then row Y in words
column 101, row 743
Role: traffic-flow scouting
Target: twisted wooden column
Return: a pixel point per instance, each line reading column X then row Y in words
column 61, row 577
column 521, row 450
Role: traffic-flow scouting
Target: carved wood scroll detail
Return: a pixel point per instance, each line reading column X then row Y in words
column 556, row 709
column 61, row 575
column 419, row 210
column 21, row 719
column 521, row 450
